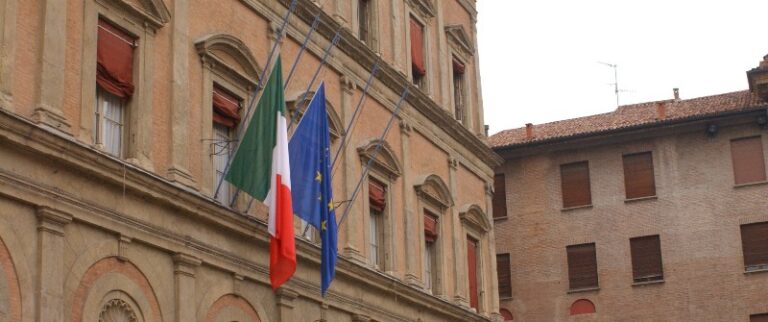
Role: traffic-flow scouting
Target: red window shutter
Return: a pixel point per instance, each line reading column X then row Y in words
column 758, row 317
column 646, row 258
column 582, row 266
column 417, row 47
column 499, row 196
column 754, row 242
column 506, row 314
column 114, row 58
column 225, row 108
column 582, row 306
column 458, row 67
column 376, row 195
column 472, row 271
column 638, row 175
column 574, row 178
column 748, row 160
column 503, row 272
column 430, row 228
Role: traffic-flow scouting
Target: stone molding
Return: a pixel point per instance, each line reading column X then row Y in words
column 185, row 264
column 117, row 310
column 432, row 188
column 384, row 160
column 473, row 216
column 459, row 40
column 52, row 220
column 234, row 47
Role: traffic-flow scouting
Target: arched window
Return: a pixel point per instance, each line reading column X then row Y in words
column 506, row 314
column 582, row 306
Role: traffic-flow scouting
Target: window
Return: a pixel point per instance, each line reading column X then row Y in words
column 364, row 21
column 758, row 317
column 459, row 102
column 418, row 67
column 430, row 251
column 503, row 272
column 582, row 266
column 499, row 197
column 574, row 178
column 114, row 79
column 748, row 161
column 377, row 203
column 506, row 314
column 754, row 243
column 472, row 271
column 638, row 175
column 582, row 306
column 226, row 116
column 646, row 259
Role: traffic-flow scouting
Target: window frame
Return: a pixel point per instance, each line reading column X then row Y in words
column 570, row 269
column 633, row 247
column 384, row 249
column 504, row 296
column 748, row 266
column 735, row 164
column 423, row 82
column 462, row 78
column 373, row 23
column 629, row 176
column 565, row 198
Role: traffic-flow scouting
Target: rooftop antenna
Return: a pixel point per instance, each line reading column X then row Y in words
column 615, row 79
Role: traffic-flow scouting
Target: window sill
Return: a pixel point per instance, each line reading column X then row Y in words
column 748, row 271
column 576, row 208
column 500, row 219
column 505, row 298
column 750, row 184
column 646, row 283
column 584, row 290
column 638, row 199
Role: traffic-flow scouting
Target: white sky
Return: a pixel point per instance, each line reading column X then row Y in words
column 539, row 58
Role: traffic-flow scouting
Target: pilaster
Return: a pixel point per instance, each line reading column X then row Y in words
column 184, row 268
column 410, row 223
column 50, row 90
column 180, row 95
column 397, row 33
column 354, row 224
column 285, row 298
column 492, row 295
column 50, row 279
column 7, row 48
column 361, row 318
column 461, row 281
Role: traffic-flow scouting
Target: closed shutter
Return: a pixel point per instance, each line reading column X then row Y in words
column 376, row 195
column 504, row 275
column 499, row 197
column 430, row 228
column 646, row 258
column 748, row 161
column 574, row 178
column 114, row 60
column 638, row 175
column 417, row 48
column 225, row 108
column 472, row 270
column 582, row 266
column 758, row 317
column 754, row 241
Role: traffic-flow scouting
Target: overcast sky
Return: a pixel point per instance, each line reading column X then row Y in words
column 539, row 58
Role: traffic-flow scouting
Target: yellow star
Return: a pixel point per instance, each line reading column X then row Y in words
column 318, row 177
column 323, row 225
column 330, row 205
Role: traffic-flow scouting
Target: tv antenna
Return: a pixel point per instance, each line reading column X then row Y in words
column 615, row 83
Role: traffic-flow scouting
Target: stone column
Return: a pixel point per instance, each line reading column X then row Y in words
column 444, row 59
column 184, row 267
column 409, row 221
column 353, row 224
column 397, row 33
column 285, row 298
column 50, row 90
column 180, row 141
column 479, row 125
column 461, row 281
column 7, row 49
column 50, row 269
column 492, row 293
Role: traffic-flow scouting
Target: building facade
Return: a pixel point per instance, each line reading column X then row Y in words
column 652, row 212
column 117, row 120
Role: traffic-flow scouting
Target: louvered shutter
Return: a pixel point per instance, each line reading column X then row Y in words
column 376, row 195
column 499, row 197
column 748, row 160
column 582, row 266
column 754, row 241
column 225, row 108
column 646, row 258
column 574, row 178
column 472, row 270
column 114, row 59
column 430, row 228
column 503, row 273
column 638, row 175
column 417, row 47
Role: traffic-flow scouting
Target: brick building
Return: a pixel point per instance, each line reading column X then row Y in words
column 116, row 117
column 653, row 212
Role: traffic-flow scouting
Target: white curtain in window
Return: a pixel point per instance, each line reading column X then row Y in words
column 109, row 118
column 374, row 237
column 221, row 155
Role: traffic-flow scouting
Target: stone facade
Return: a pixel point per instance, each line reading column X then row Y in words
column 86, row 236
column 697, row 212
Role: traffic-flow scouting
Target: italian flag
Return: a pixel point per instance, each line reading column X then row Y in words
column 260, row 168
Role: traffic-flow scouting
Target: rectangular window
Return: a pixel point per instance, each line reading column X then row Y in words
column 646, row 259
column 754, row 243
column 110, row 113
column 376, row 203
column 582, row 266
column 458, row 90
column 758, row 317
column 504, row 274
column 638, row 175
column 748, row 160
column 226, row 116
column 499, row 197
column 418, row 67
column 574, row 178
column 430, row 250
column 472, row 271
column 364, row 21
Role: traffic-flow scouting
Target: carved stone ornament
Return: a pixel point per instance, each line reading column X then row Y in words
column 117, row 311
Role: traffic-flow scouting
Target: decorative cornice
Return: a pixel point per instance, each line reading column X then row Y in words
column 52, row 220
column 236, row 49
column 473, row 216
column 153, row 12
column 434, row 189
column 423, row 8
column 185, row 264
column 460, row 40
column 384, row 160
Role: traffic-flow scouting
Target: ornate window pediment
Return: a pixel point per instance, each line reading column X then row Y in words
column 334, row 121
column 384, row 161
column 474, row 217
column 424, row 8
column 459, row 39
column 433, row 189
column 154, row 11
column 229, row 56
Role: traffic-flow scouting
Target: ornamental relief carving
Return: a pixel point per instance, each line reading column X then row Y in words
column 117, row 311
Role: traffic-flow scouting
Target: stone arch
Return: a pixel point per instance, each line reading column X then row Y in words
column 216, row 291
column 101, row 282
column 474, row 216
column 230, row 56
column 384, row 159
column 231, row 307
column 433, row 188
column 582, row 306
column 14, row 261
column 335, row 125
column 9, row 286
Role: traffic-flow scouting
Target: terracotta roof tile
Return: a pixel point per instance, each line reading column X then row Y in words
column 629, row 116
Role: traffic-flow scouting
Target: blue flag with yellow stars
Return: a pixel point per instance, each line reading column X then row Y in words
column 309, row 151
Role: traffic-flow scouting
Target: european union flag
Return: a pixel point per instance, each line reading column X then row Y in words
column 309, row 152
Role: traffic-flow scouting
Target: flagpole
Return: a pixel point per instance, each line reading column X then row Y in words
column 301, row 51
column 260, row 83
column 373, row 156
column 374, row 71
